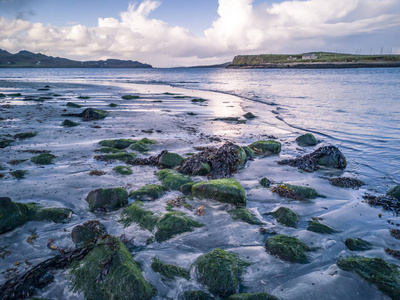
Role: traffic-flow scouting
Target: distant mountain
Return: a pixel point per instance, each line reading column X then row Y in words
column 26, row 59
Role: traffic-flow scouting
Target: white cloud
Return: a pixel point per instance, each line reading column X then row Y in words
column 290, row 26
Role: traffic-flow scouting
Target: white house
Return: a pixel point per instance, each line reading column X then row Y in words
column 309, row 56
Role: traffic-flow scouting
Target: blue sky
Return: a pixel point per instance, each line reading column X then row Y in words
column 179, row 32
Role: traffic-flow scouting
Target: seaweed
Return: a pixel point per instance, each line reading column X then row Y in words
column 148, row 192
column 172, row 180
column 196, row 295
column 346, row 182
column 108, row 150
column 168, row 271
column 25, row 135
column 130, row 97
column 245, row 215
column 135, row 213
column 43, row 159
column 18, row 174
column 255, row 296
column 357, row 244
column 123, row 170
column 295, row 192
column 386, row 202
column 288, row 248
column 286, row 217
column 88, row 232
column 316, row 226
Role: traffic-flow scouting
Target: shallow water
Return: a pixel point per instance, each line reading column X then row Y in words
column 336, row 106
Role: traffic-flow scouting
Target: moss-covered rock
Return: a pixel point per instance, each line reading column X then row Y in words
column 221, row 271
column 111, row 199
column 119, row 143
column 148, row 141
column 130, row 97
column 357, row 244
column 148, row 192
column 306, row 140
column 249, row 152
column 121, row 156
column 266, row 147
column 196, row 295
column 172, row 224
column 265, row 182
column 139, row 146
column 90, row 114
column 13, row 214
column 245, row 215
column 109, row 150
column 255, row 296
column 295, row 192
column 5, row 142
column 168, row 271
column 170, row 160
column 108, row 271
column 186, row 189
column 74, row 105
column 87, row 233
column 394, row 192
column 287, row 248
column 286, row 217
column 69, row 123
column 377, row 271
column 318, row 227
column 224, row 190
column 123, row 170
column 54, row 214
column 43, row 159
column 172, row 179
column 18, row 174
column 25, row 135
column 135, row 213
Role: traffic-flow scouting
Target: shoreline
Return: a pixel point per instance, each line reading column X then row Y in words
column 318, row 65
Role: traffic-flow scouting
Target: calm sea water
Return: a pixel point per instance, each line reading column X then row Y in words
column 356, row 109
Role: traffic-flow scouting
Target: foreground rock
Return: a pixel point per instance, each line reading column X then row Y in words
column 295, row 192
column 327, row 156
column 306, row 140
column 15, row 214
column 221, row 271
column 286, row 217
column 170, row 160
column 172, row 180
column 287, row 248
column 377, row 271
column 224, row 190
column 88, row 232
column 148, row 192
column 135, row 213
column 110, row 199
column 266, row 147
column 108, row 271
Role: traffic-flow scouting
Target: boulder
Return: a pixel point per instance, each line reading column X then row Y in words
column 13, row 214
column 139, row 146
column 168, row 271
column 394, row 192
column 306, row 140
column 88, row 232
column 135, row 213
column 110, row 198
column 221, row 271
column 226, row 190
column 286, row 217
column 148, row 192
column 265, row 182
column 90, row 114
column 54, row 214
column 266, row 147
column 170, row 160
column 118, row 144
column 172, row 179
column 287, row 248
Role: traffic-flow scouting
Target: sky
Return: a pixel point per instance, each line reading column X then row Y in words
column 168, row 33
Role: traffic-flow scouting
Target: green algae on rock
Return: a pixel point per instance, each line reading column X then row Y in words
column 108, row 150
column 43, row 159
column 266, row 147
column 148, row 192
column 119, row 143
column 295, row 192
column 265, row 182
column 172, row 224
column 249, row 152
column 109, row 198
column 318, row 227
column 5, row 142
column 357, row 244
column 112, row 105
column 148, row 141
column 130, row 97
column 108, row 271
column 377, row 271
column 172, row 179
column 245, row 215
column 306, row 140
column 286, row 217
column 54, row 214
column 135, row 213
column 287, row 248
column 123, row 170
column 168, row 271
column 186, row 189
column 18, row 174
column 88, row 232
column 221, row 271
column 394, row 192
column 139, row 146
column 226, row 190
column 196, row 295
column 69, row 123
column 254, row 296
column 74, row 105
column 170, row 160
column 25, row 135
column 121, row 156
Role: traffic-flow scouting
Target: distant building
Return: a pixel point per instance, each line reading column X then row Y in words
column 309, row 56
column 292, row 58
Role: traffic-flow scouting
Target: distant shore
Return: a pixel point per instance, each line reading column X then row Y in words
column 318, row 65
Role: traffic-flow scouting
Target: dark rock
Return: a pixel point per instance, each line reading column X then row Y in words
column 306, row 140
column 74, row 105
column 266, row 147
column 25, row 135
column 170, row 160
column 118, row 144
column 196, row 295
column 88, row 232
column 123, row 170
column 249, row 115
column 111, row 198
column 15, row 214
column 18, row 174
column 54, row 214
column 69, row 123
column 295, row 192
column 265, row 182
column 255, row 296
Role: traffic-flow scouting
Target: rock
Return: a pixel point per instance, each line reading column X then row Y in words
column 123, row 170
column 18, row 174
column 148, row 141
column 130, row 97
column 88, row 232
column 394, row 192
column 196, row 295
column 25, row 135
column 295, row 192
column 69, row 123
column 172, row 179
column 168, row 271
column 111, row 198
column 43, row 159
column 108, row 150
column 287, row 248
column 224, row 190
column 118, row 144
column 327, row 156
column 346, row 182
column 4, row 142
column 221, row 271
column 266, row 147
column 377, row 271
column 357, row 244
column 227, row 119
column 112, row 105
column 135, row 213
column 316, row 226
column 286, row 217
column 186, row 189
column 54, row 214
column 249, row 152
column 249, row 115
column 121, row 156
column 265, row 182
column 90, row 114
column 108, row 271
column 170, row 160
column 139, row 146
column 148, row 192
column 15, row 214
column 245, row 215
column 198, row 100
column 74, row 105
column 255, row 296
column 306, row 140
column 172, row 224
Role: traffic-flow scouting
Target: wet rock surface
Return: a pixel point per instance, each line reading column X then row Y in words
column 288, row 248
column 87, row 233
column 110, row 199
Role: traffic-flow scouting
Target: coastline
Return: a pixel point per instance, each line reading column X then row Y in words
column 318, row 65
